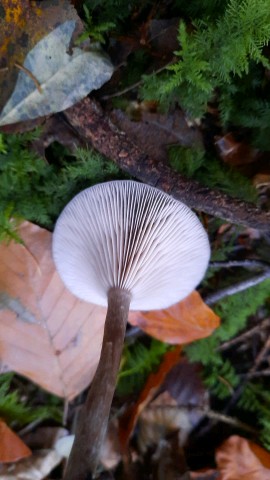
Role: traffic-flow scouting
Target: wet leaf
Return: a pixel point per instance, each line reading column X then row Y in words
column 184, row 322
column 53, row 78
column 46, row 334
column 12, row 448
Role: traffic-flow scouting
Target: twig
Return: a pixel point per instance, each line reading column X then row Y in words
column 30, row 427
column 236, row 288
column 261, row 373
column 30, row 74
column 260, row 357
column 245, row 335
column 240, row 263
column 210, row 414
column 230, row 420
column 135, row 85
column 241, row 386
column 96, row 127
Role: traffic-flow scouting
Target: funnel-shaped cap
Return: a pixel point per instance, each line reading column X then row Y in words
column 133, row 236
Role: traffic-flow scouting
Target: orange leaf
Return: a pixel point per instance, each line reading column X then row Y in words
column 129, row 419
column 240, row 459
column 12, row 448
column 184, row 322
column 46, row 334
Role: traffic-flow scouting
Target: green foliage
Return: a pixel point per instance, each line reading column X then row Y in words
column 213, row 53
column 13, row 409
column 246, row 103
column 119, row 11
column 221, row 379
column 138, row 362
column 209, row 171
column 256, row 398
column 220, row 376
column 234, row 312
column 95, row 31
column 186, row 160
column 32, row 189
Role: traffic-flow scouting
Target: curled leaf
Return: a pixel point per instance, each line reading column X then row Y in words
column 184, row 322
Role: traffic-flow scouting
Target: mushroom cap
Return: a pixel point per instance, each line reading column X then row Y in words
column 132, row 236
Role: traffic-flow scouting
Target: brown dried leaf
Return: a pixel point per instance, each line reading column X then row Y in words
column 46, row 333
column 233, row 152
column 184, row 322
column 12, row 448
column 240, row 459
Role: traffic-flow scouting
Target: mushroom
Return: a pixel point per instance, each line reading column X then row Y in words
column 129, row 246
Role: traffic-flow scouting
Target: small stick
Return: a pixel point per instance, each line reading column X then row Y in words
column 240, row 263
column 119, row 93
column 30, row 74
column 236, row 288
column 245, row 335
column 260, row 357
column 94, row 126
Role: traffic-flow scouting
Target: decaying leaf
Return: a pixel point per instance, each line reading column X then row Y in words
column 233, row 152
column 53, row 78
column 184, row 322
column 178, row 408
column 22, row 24
column 240, row 459
column 46, row 334
column 129, row 419
column 36, row 467
column 12, row 448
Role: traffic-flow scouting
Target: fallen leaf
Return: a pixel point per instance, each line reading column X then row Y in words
column 162, row 417
column 178, row 408
column 22, row 24
column 233, row 152
column 184, row 322
column 36, row 467
column 46, row 334
column 53, row 78
column 129, row 419
column 12, row 448
column 240, row 459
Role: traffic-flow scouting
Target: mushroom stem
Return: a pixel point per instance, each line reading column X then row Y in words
column 94, row 415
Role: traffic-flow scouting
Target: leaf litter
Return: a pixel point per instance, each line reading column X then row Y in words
column 53, row 79
column 47, row 334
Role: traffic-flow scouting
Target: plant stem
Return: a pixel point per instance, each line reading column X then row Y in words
column 93, row 418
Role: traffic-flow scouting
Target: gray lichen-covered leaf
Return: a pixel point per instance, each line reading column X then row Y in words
column 64, row 78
